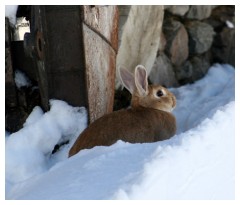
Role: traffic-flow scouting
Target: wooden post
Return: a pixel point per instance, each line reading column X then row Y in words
column 74, row 48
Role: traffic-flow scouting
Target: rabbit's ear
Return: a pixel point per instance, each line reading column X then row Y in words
column 141, row 80
column 127, row 79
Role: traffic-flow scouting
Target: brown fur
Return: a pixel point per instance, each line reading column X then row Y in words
column 145, row 126
column 148, row 120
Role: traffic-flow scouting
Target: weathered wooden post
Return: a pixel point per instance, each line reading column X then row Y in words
column 74, row 50
column 100, row 38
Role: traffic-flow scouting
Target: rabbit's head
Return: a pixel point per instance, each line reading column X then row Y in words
column 144, row 95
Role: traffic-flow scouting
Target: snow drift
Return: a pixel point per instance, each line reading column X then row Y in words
column 197, row 163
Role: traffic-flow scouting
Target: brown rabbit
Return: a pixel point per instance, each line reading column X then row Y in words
column 148, row 120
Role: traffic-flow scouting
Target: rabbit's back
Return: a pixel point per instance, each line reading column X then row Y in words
column 137, row 125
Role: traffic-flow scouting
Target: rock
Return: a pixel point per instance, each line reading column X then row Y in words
column 223, row 48
column 193, row 69
column 184, row 73
column 224, row 13
column 199, row 12
column 179, row 10
column 189, row 34
column 221, row 17
column 162, row 72
column 200, row 66
column 200, row 36
column 177, row 41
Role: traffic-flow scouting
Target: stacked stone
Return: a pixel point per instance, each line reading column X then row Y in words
column 193, row 38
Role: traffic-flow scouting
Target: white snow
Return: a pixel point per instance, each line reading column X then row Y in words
column 10, row 12
column 197, row 163
column 21, row 79
column 28, row 151
column 35, row 115
column 229, row 24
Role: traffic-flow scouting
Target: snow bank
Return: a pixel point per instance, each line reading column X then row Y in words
column 28, row 151
column 197, row 163
column 201, row 100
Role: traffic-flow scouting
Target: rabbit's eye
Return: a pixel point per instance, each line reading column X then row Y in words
column 159, row 93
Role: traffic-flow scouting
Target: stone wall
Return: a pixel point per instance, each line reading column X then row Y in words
column 192, row 38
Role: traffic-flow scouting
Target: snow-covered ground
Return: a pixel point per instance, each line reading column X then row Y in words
column 197, row 163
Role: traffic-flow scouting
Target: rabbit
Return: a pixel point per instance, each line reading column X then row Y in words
column 149, row 118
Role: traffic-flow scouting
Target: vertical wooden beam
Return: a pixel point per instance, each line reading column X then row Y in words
column 100, row 29
column 75, row 52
